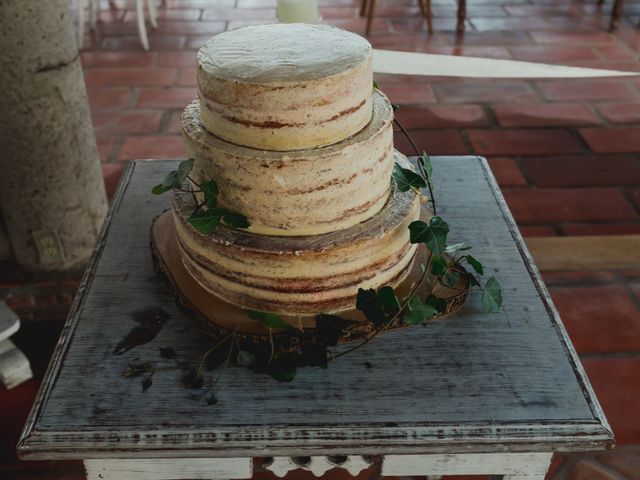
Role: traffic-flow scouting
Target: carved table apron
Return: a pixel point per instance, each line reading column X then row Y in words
column 475, row 393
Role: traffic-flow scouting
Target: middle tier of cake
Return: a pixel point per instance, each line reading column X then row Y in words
column 300, row 275
column 301, row 192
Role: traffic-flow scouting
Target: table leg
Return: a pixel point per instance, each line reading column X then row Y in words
column 616, row 11
column 462, row 15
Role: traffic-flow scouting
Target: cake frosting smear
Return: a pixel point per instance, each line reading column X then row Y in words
column 289, row 126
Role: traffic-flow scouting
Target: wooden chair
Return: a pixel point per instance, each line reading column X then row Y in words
column 367, row 7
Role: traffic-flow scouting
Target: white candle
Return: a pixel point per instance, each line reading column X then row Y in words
column 298, row 11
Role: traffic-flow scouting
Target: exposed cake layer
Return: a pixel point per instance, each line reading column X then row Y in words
column 300, row 275
column 285, row 86
column 303, row 192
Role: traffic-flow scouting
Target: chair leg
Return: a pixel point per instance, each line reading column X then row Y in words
column 372, row 7
column 615, row 14
column 462, row 15
column 153, row 13
column 425, row 9
column 363, row 8
column 142, row 28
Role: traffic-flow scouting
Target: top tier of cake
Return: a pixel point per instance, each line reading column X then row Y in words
column 285, row 86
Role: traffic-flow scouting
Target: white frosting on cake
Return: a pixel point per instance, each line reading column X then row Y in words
column 285, row 86
column 303, row 192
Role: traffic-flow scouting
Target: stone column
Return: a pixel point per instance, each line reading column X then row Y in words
column 51, row 188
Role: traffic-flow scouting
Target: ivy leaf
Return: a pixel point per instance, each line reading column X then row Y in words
column 436, row 238
column 193, row 379
column 369, row 303
column 212, row 400
column 313, row 355
column 438, row 265
column 171, row 180
column 269, row 320
column 439, row 304
column 492, row 296
column 395, row 107
column 418, row 231
column 233, row 219
column 146, row 383
column 475, row 264
column 425, row 161
column 456, row 247
column 283, row 367
column 418, row 311
column 206, row 221
column 167, row 352
column 245, row 358
column 375, row 85
column 184, row 168
column 407, row 179
column 389, row 300
column 331, row 328
column 210, row 191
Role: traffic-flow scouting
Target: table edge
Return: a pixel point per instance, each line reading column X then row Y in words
column 35, row 444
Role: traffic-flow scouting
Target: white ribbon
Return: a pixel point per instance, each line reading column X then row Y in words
column 410, row 63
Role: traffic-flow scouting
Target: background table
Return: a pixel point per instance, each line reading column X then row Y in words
column 475, row 393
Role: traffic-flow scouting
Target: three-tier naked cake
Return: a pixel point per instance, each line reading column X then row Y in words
column 289, row 126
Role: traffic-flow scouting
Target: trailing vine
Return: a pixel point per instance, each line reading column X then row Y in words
column 381, row 307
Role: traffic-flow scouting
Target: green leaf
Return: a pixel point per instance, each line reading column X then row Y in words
column 389, row 300
column 210, row 191
column 492, row 296
column 331, row 328
column 438, row 265
column 475, row 264
column 313, row 355
column 369, row 303
column 456, row 247
column 425, row 161
column 375, row 85
column 439, row 304
column 418, row 311
column 206, row 221
column 283, row 367
column 184, row 168
column 245, row 358
column 407, row 179
column 171, row 180
column 233, row 219
column 437, row 235
column 395, row 107
column 269, row 320
column 418, row 231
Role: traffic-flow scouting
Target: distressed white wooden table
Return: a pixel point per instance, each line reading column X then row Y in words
column 475, row 393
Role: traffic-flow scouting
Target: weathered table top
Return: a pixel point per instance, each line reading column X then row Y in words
column 474, row 382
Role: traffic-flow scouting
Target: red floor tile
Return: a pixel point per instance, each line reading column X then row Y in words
column 435, row 142
column 127, row 121
column 620, row 112
column 409, row 94
column 442, row 116
column 537, row 231
column 575, row 89
column 582, row 171
column 177, row 97
column 117, row 59
column 524, row 142
column 507, row 172
column 599, row 319
column 109, row 98
column 615, row 381
column 116, row 77
column 612, row 140
column 544, row 114
column 602, row 229
column 484, row 92
column 569, row 205
column 152, row 147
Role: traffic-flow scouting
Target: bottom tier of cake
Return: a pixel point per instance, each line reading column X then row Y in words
column 299, row 275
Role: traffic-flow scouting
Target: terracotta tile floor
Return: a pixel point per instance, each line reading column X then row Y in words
column 566, row 154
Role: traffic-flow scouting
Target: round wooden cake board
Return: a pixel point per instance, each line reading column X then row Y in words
column 217, row 318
